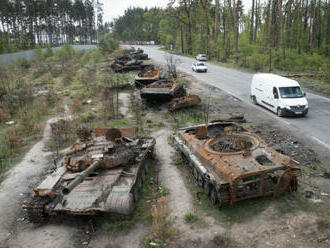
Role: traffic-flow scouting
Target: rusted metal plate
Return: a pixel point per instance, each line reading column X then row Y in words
column 183, row 102
column 48, row 185
column 125, row 131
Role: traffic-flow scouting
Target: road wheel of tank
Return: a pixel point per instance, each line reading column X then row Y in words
column 136, row 194
column 213, row 196
column 143, row 174
column 36, row 209
column 195, row 174
column 206, row 188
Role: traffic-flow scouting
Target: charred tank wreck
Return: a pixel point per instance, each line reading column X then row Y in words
column 233, row 164
column 99, row 174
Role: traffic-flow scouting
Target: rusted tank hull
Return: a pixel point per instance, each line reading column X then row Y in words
column 233, row 164
column 146, row 77
column 101, row 174
column 183, row 102
column 162, row 91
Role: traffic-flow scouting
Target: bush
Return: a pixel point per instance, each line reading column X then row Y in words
column 88, row 116
column 65, row 53
column 108, row 43
column 48, row 52
column 42, row 69
column 190, row 217
column 13, row 138
column 24, row 63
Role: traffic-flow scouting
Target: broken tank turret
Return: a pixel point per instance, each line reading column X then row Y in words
column 233, row 164
column 163, row 91
column 98, row 174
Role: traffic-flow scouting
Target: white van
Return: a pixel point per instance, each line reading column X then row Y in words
column 279, row 94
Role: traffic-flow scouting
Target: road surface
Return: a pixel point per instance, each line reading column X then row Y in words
column 7, row 58
column 316, row 124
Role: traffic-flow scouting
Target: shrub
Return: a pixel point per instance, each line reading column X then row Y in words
column 190, row 217
column 108, row 43
column 42, row 69
column 48, row 52
column 24, row 63
column 88, row 116
column 13, row 137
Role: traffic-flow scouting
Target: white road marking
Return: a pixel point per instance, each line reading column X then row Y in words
column 321, row 142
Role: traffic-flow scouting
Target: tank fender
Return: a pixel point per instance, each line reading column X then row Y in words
column 194, row 160
column 120, row 201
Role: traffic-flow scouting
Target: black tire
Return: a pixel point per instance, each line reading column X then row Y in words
column 305, row 113
column 254, row 100
column 279, row 112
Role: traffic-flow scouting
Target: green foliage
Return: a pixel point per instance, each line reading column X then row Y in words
column 48, row 52
column 88, row 116
column 117, row 226
column 65, row 53
column 108, row 43
column 190, row 217
column 23, row 63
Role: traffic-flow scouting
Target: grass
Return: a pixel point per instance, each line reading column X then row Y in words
column 190, row 217
column 118, row 226
column 185, row 117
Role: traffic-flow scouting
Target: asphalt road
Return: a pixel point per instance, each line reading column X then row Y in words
column 315, row 125
column 7, row 58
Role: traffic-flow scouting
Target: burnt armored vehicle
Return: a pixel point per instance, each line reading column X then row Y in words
column 232, row 164
column 148, row 76
column 125, row 63
column 163, row 91
column 98, row 174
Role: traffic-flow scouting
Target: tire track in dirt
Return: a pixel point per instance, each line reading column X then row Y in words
column 180, row 199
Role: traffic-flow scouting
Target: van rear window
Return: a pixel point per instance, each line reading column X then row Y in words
column 291, row 92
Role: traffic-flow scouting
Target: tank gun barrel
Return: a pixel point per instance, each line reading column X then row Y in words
column 95, row 165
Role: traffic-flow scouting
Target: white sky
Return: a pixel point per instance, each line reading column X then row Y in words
column 116, row 8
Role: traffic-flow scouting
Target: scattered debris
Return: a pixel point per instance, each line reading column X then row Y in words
column 98, row 174
column 309, row 193
column 233, row 164
column 9, row 123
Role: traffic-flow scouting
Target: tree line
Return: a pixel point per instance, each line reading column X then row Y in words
column 280, row 34
column 26, row 23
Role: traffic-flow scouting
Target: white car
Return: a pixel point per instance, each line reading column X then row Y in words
column 201, row 57
column 199, row 67
column 279, row 94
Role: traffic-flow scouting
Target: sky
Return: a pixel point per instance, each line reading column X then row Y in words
column 116, row 8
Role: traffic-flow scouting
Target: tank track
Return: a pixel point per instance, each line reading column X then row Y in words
column 36, row 209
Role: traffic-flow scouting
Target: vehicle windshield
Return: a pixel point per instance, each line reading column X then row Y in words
column 291, row 92
column 200, row 64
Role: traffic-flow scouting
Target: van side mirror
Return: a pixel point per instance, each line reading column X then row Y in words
column 275, row 95
column 304, row 93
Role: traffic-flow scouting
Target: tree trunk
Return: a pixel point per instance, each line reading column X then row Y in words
column 251, row 23
column 182, row 42
column 327, row 33
column 216, row 24
column 256, row 20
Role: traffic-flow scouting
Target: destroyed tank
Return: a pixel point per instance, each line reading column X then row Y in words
column 163, row 91
column 148, row 76
column 100, row 174
column 125, row 63
column 233, row 164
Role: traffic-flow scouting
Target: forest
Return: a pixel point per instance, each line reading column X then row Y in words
column 291, row 35
column 27, row 23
